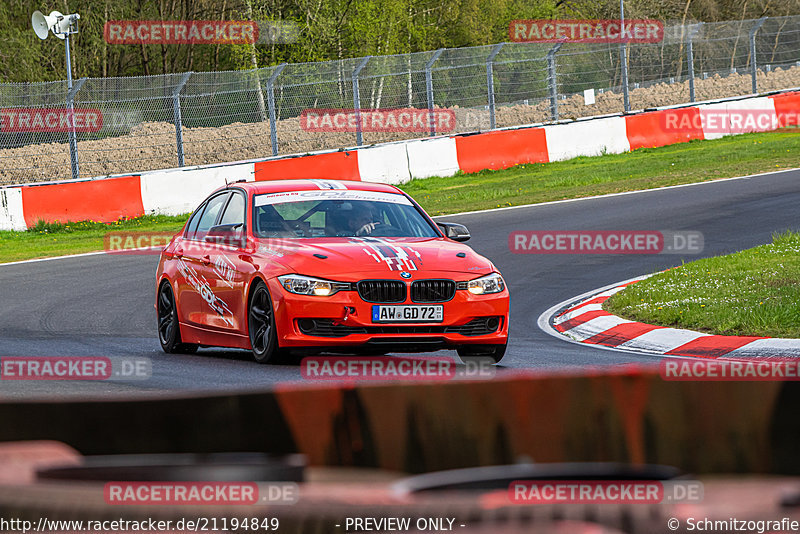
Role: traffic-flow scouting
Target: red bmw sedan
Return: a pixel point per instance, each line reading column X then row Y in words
column 324, row 266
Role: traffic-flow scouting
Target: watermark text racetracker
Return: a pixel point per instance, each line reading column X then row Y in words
column 74, row 368
column 42, row 120
column 128, row 32
column 136, row 242
column 200, row 493
column 62, row 120
column 605, row 242
column 586, row 31
column 731, row 370
column 728, row 120
column 378, row 120
column 153, row 243
column 382, row 368
column 605, row 491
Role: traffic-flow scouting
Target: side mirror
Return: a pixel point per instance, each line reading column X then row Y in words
column 226, row 234
column 456, row 232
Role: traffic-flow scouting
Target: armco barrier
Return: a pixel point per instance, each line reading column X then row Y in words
column 786, row 103
column 501, row 149
column 384, row 163
column 720, row 109
column 12, row 216
column 432, row 157
column 762, row 104
column 341, row 165
column 646, row 129
column 586, row 138
column 99, row 200
column 626, row 416
column 176, row 191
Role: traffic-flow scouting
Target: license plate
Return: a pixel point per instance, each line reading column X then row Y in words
column 410, row 314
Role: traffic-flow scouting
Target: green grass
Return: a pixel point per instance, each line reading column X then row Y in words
column 55, row 239
column 755, row 292
column 646, row 168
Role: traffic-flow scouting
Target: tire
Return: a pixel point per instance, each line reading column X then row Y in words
column 169, row 330
column 261, row 327
column 478, row 352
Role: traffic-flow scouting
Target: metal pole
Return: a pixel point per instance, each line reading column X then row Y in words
column 753, row 65
column 73, row 146
column 490, row 81
column 690, row 58
column 176, row 112
column 357, row 99
column 623, row 52
column 273, row 129
column 551, row 80
column 73, row 142
column 429, row 89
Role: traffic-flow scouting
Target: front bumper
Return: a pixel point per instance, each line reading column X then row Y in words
column 345, row 320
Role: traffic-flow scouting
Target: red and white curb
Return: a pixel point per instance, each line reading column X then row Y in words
column 583, row 320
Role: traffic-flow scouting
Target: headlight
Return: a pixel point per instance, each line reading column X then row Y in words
column 306, row 285
column 492, row 283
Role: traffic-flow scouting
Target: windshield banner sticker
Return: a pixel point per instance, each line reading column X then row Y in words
column 330, row 194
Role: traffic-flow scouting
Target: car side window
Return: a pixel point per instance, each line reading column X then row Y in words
column 209, row 216
column 234, row 212
column 191, row 226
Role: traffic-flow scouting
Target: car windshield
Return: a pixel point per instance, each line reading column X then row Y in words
column 310, row 214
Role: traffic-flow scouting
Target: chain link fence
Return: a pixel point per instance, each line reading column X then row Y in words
column 129, row 125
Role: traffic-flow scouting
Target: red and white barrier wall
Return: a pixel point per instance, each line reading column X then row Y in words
column 177, row 191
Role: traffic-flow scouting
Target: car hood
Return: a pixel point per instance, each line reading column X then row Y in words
column 353, row 258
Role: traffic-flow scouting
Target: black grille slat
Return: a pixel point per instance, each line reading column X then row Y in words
column 382, row 291
column 433, row 290
column 394, row 291
column 327, row 328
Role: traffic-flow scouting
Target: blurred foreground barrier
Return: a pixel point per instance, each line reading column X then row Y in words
column 630, row 416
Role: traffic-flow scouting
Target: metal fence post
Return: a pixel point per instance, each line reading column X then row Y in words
column 357, row 99
column 753, row 65
column 490, row 81
column 623, row 57
column 429, row 88
column 551, row 80
column 73, row 142
column 626, row 100
column 273, row 129
column 176, row 113
column 690, row 57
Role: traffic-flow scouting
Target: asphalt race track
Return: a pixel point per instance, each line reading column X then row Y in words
column 102, row 305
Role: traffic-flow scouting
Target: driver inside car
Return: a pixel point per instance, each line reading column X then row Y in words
column 362, row 221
